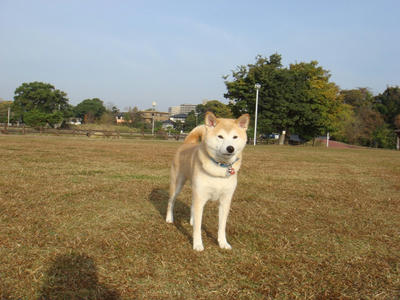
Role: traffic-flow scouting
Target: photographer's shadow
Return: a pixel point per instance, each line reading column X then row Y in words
column 74, row 276
column 159, row 198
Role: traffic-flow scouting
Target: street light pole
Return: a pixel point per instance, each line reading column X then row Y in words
column 154, row 108
column 8, row 116
column 257, row 86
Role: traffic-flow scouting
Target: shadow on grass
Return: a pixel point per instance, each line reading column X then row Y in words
column 74, row 276
column 159, row 198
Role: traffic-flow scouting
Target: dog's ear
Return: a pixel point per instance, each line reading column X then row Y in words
column 210, row 119
column 243, row 121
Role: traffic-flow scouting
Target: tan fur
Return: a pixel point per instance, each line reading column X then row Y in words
column 210, row 181
column 195, row 135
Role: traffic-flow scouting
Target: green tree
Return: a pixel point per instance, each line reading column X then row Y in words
column 384, row 137
column 38, row 119
column 298, row 99
column 191, row 121
column 55, row 119
column 316, row 101
column 220, row 109
column 35, row 118
column 41, row 97
column 388, row 104
column 90, row 110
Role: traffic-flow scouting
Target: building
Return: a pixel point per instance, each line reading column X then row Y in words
column 178, row 118
column 120, row 118
column 159, row 116
column 147, row 116
column 174, row 110
column 167, row 125
column 181, row 109
column 187, row 108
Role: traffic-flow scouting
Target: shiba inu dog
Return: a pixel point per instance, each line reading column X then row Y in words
column 212, row 167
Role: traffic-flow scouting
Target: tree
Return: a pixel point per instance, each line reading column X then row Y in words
column 315, row 102
column 397, row 121
column 39, row 119
column 134, row 118
column 35, row 118
column 357, row 97
column 90, row 110
column 191, row 121
column 55, row 119
column 219, row 109
column 41, row 97
column 384, row 137
column 369, row 122
column 344, row 124
column 365, row 125
column 4, row 105
column 297, row 99
column 388, row 104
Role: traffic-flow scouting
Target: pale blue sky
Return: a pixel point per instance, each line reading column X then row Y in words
column 131, row 53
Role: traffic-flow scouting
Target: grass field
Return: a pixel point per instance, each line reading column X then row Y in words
column 85, row 219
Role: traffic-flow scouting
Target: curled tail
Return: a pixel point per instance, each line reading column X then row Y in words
column 195, row 135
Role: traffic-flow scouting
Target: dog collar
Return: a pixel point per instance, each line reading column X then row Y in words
column 230, row 169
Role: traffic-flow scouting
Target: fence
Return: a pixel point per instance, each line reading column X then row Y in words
column 22, row 130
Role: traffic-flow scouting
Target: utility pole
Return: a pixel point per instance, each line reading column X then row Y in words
column 257, row 86
column 8, row 116
column 154, row 109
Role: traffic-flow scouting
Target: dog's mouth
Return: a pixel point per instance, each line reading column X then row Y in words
column 228, row 154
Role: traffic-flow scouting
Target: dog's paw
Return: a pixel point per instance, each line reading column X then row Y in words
column 225, row 245
column 169, row 219
column 198, row 247
column 191, row 221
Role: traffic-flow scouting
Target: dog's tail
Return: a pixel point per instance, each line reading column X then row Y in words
column 196, row 135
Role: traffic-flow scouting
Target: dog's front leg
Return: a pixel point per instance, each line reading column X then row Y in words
column 224, row 206
column 198, row 206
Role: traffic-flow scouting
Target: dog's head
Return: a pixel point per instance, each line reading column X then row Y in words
column 225, row 138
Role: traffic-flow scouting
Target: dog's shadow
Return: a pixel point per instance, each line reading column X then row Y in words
column 159, row 198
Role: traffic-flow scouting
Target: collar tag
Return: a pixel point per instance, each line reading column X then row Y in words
column 231, row 171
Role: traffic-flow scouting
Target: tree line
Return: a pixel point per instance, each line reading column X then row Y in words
column 299, row 99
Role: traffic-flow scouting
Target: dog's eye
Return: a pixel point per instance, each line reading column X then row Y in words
column 221, row 137
column 235, row 136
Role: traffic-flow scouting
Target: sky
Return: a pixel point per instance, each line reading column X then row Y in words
column 131, row 53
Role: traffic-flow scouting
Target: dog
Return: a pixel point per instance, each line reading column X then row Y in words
column 211, row 165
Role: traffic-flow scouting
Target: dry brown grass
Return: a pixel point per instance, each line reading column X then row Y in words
column 84, row 219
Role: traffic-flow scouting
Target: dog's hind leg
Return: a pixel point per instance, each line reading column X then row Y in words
column 177, row 182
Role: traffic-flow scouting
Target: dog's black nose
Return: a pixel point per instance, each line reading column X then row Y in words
column 230, row 149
